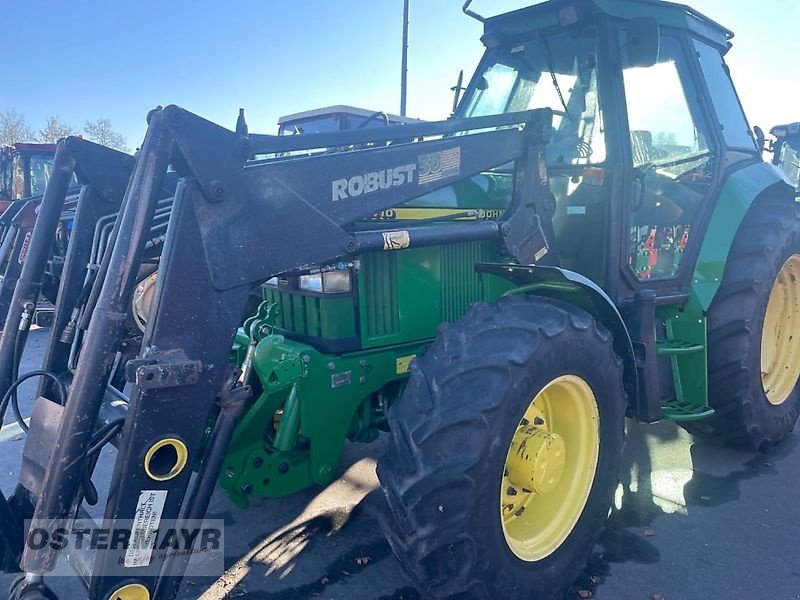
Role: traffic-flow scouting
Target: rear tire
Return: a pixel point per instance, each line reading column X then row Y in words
column 751, row 408
column 449, row 451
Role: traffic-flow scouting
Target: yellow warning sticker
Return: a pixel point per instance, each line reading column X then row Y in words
column 403, row 363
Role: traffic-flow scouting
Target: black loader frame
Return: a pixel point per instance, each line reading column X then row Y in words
column 234, row 223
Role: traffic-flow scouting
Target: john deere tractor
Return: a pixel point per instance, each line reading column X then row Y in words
column 592, row 236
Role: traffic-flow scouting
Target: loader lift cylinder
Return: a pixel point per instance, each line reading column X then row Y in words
column 197, row 501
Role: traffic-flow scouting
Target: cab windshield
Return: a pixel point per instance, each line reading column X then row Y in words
column 32, row 170
column 41, row 166
column 556, row 71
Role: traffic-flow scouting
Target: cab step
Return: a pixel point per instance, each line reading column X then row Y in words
column 675, row 410
column 675, row 347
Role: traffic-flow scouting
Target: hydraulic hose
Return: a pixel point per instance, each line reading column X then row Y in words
column 11, row 393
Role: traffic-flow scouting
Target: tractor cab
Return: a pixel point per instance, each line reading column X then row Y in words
column 646, row 123
column 25, row 170
column 648, row 163
column 337, row 118
column 785, row 150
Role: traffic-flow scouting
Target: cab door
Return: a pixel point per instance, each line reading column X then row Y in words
column 674, row 164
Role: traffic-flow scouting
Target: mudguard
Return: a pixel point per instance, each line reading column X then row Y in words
column 576, row 289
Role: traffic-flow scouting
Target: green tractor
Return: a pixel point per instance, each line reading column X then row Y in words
column 592, row 236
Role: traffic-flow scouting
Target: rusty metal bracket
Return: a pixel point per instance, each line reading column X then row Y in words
column 163, row 370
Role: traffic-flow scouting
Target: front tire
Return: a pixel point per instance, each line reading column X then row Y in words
column 504, row 452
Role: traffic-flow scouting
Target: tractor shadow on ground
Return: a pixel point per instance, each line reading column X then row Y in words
column 667, row 473
column 295, row 546
column 325, row 542
column 322, row 542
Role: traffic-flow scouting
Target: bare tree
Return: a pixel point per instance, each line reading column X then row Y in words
column 14, row 128
column 100, row 131
column 54, row 130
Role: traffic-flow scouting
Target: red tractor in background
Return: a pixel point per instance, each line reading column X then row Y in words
column 24, row 171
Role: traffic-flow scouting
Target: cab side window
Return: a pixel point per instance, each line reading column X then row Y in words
column 729, row 111
column 673, row 161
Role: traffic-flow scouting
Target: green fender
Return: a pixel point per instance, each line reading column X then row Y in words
column 738, row 194
column 575, row 289
column 688, row 323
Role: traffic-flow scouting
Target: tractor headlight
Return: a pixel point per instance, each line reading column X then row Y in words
column 311, row 283
column 336, row 282
column 330, row 282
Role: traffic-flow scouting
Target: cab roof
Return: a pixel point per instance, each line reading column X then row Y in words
column 339, row 109
column 566, row 12
column 34, row 148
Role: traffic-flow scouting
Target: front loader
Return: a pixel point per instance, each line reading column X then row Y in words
column 593, row 235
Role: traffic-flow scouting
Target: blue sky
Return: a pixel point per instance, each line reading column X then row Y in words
column 119, row 58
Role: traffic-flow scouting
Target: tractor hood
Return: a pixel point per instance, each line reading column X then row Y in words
column 566, row 12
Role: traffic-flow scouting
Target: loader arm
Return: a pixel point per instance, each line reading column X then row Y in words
column 241, row 213
column 252, row 213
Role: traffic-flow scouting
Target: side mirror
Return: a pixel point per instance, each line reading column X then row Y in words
column 457, row 89
column 761, row 139
column 643, row 43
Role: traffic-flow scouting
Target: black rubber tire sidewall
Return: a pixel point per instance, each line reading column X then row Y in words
column 768, row 236
column 483, row 565
column 566, row 562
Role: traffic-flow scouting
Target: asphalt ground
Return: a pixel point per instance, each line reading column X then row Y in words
column 692, row 521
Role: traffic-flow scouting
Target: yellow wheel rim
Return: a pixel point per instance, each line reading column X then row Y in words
column 780, row 337
column 132, row 591
column 549, row 469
